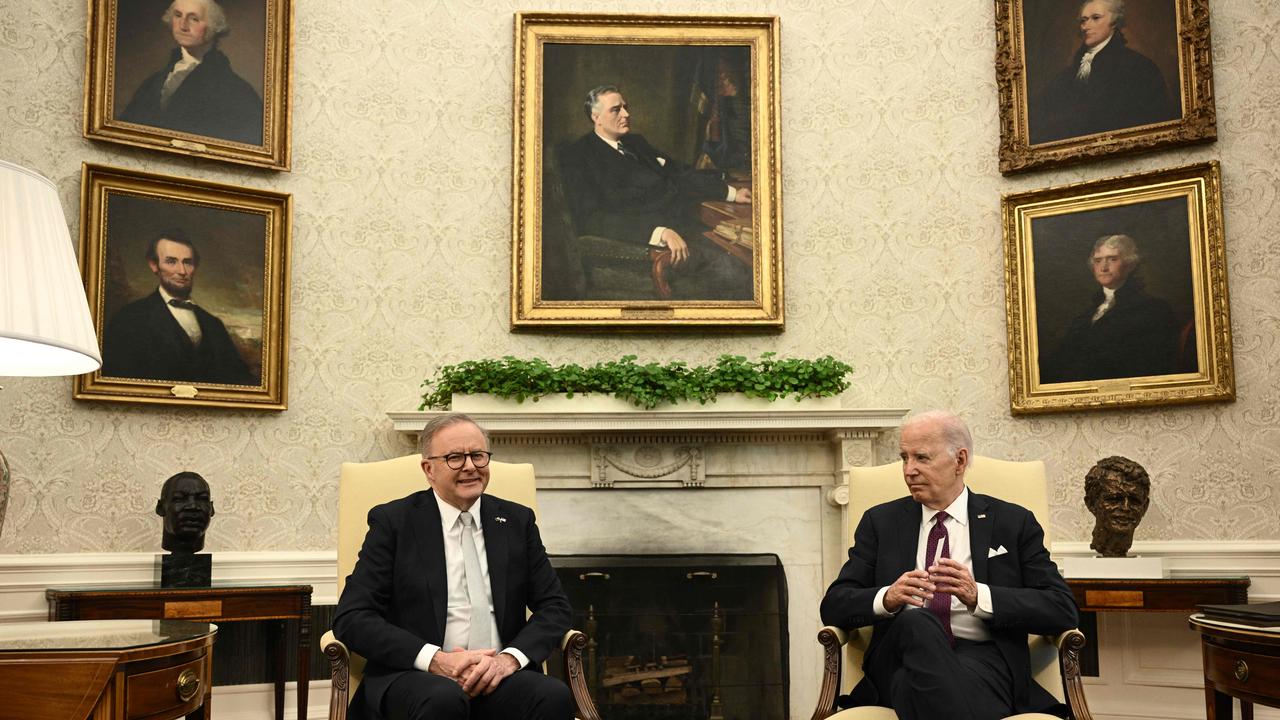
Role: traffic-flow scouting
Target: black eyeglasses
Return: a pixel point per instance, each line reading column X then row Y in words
column 456, row 461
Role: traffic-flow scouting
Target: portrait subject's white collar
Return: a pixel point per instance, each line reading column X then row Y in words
column 1089, row 52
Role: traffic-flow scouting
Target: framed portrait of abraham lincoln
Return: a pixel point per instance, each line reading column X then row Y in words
column 1085, row 79
column 1116, row 293
column 646, row 172
column 206, row 78
column 188, row 287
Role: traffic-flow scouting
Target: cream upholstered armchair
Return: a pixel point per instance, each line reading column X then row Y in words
column 1055, row 661
column 364, row 485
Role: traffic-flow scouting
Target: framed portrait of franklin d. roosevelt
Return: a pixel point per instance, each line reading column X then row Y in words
column 646, row 172
column 1085, row 79
column 1116, row 292
column 188, row 287
column 205, row 78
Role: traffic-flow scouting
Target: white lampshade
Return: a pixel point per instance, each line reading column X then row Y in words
column 44, row 318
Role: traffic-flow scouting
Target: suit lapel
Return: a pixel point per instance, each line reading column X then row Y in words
column 495, row 550
column 906, row 548
column 431, row 540
column 980, row 520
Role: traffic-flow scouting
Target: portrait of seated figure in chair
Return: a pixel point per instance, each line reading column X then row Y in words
column 1117, row 491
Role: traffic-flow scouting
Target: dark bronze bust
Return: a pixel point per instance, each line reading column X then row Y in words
column 186, row 508
column 1117, row 491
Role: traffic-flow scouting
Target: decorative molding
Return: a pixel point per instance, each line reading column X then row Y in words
column 502, row 423
column 24, row 578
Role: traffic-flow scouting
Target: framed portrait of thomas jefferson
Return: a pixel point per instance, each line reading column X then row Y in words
column 1116, row 292
column 646, row 172
column 1084, row 79
column 207, row 78
column 188, row 286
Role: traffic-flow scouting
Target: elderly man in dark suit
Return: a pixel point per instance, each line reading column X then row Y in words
column 1107, row 86
column 437, row 599
column 166, row 335
column 953, row 582
column 1123, row 331
column 622, row 187
column 197, row 91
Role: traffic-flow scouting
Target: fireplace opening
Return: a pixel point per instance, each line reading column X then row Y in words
column 681, row 637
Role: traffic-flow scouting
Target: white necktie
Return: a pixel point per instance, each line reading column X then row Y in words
column 1104, row 307
column 1086, row 66
column 479, row 637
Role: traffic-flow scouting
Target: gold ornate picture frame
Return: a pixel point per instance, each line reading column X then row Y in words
column 690, row 147
column 142, row 86
column 1071, row 92
column 1096, row 320
column 188, row 286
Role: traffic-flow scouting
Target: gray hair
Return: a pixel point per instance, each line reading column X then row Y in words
column 441, row 422
column 592, row 104
column 214, row 15
column 1127, row 247
column 1115, row 6
column 954, row 432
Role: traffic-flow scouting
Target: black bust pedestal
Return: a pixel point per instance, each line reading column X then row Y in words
column 186, row 570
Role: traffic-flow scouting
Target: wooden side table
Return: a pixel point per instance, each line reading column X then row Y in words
column 220, row 603
column 1240, row 662
column 105, row 670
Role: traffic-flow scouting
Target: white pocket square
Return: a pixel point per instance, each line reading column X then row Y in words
column 992, row 552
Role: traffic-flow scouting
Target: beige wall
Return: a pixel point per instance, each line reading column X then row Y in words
column 401, row 182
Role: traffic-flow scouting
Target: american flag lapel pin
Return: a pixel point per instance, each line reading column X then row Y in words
column 499, row 518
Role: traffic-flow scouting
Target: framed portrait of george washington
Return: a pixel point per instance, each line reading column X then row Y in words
column 647, row 190
column 188, row 287
column 206, row 78
column 1085, row 79
column 1116, row 293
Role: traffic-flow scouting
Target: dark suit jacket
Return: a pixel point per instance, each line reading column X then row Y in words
column 617, row 197
column 143, row 340
column 212, row 101
column 395, row 599
column 1028, row 596
column 1137, row 336
column 1124, row 90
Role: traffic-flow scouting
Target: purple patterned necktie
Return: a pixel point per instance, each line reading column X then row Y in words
column 940, row 603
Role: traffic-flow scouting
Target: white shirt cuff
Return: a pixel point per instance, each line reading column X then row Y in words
column 733, row 194
column 425, row 655
column 984, row 609
column 519, row 656
column 655, row 238
column 878, row 603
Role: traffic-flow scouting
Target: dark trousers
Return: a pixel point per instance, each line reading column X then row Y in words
column 710, row 273
column 527, row 695
column 916, row 671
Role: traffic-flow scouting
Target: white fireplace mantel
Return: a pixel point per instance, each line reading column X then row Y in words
column 711, row 480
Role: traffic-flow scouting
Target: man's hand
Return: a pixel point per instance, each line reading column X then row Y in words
column 676, row 244
column 485, row 676
column 911, row 588
column 455, row 664
column 953, row 577
column 742, row 195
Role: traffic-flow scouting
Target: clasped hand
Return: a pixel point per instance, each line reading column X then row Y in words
column 916, row 587
column 479, row 672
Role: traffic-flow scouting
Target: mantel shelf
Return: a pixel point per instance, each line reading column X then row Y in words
column 834, row 420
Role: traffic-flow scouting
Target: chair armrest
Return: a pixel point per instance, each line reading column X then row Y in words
column 340, row 673
column 1069, row 645
column 832, row 639
column 572, row 644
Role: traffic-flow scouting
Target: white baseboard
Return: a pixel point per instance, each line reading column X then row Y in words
column 257, row 702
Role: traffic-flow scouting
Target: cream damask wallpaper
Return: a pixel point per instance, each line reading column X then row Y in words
column 401, row 184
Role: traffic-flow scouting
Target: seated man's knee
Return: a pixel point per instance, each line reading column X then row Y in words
column 557, row 701
column 918, row 622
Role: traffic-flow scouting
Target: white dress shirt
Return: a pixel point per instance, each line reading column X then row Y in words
column 1086, row 60
column 186, row 317
column 1108, row 299
column 181, row 69
column 964, row 624
column 457, row 627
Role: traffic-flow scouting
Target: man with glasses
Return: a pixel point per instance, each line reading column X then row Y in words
column 437, row 600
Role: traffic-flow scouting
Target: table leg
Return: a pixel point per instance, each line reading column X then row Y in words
column 1217, row 705
column 278, row 630
column 304, row 657
column 1246, row 710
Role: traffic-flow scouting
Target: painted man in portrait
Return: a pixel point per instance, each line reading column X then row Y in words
column 197, row 91
column 619, row 186
column 1123, row 332
column 1106, row 86
column 167, row 335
